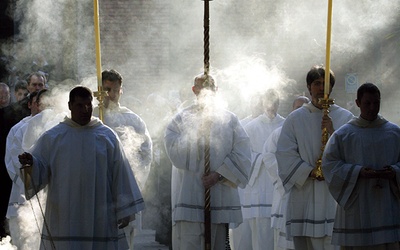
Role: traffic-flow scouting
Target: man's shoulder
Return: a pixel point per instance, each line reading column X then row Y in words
column 341, row 110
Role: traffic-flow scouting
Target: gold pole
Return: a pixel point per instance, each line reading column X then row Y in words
column 99, row 94
column 328, row 51
column 326, row 102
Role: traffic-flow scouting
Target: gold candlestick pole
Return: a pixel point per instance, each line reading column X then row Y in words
column 326, row 102
column 317, row 171
column 99, row 94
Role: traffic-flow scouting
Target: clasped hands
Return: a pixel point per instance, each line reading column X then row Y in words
column 387, row 172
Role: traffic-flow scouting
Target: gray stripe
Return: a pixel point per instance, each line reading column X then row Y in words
column 238, row 168
column 346, row 183
column 292, row 173
column 277, row 215
column 365, row 230
column 132, row 204
column 198, row 207
column 308, row 221
column 256, row 205
column 76, row 238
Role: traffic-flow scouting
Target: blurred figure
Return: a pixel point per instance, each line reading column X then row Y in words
column 255, row 232
column 92, row 192
column 361, row 164
column 5, row 181
column 20, row 90
column 311, row 208
column 157, row 191
column 36, row 81
column 185, row 142
column 132, row 131
column 4, row 95
column 17, row 196
column 256, row 109
column 278, row 222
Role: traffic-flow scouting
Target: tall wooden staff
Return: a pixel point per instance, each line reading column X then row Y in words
column 207, row 196
column 99, row 94
column 326, row 102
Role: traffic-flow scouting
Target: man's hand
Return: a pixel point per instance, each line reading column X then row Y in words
column 25, row 159
column 123, row 222
column 386, row 172
column 313, row 174
column 327, row 123
column 210, row 179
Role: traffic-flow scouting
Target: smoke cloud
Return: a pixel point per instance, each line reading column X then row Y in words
column 254, row 45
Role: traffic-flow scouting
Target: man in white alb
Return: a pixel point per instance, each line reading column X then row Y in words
column 311, row 208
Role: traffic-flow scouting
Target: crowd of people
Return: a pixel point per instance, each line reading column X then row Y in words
column 205, row 178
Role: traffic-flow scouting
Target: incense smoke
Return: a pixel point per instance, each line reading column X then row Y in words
column 254, row 45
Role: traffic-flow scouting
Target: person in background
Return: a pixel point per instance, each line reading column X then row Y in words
column 17, row 196
column 4, row 95
column 361, row 165
column 133, row 133
column 92, row 191
column 5, row 181
column 20, row 90
column 279, row 200
column 230, row 163
column 310, row 209
column 256, row 109
column 255, row 232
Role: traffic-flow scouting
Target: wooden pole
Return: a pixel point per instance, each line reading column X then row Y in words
column 207, row 196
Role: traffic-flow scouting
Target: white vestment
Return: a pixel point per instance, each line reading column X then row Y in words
column 135, row 139
column 40, row 123
column 90, row 186
column 311, row 208
column 137, row 144
column 368, row 209
column 256, row 197
column 13, row 149
column 229, row 156
column 280, row 197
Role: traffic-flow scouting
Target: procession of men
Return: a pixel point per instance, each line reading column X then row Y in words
column 212, row 162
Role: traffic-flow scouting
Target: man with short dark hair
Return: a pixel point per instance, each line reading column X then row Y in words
column 20, row 90
column 133, row 133
column 92, row 192
column 361, row 165
column 311, row 208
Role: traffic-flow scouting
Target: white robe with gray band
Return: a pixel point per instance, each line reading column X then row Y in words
column 256, row 197
column 90, row 186
column 13, row 149
column 311, row 208
column 229, row 156
column 368, row 209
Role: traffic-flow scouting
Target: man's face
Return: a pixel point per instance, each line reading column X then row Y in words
column 81, row 110
column 114, row 91
column 270, row 108
column 34, row 106
column 4, row 97
column 36, row 84
column 316, row 89
column 369, row 106
column 20, row 94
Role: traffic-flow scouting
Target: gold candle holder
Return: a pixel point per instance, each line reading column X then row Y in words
column 317, row 171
